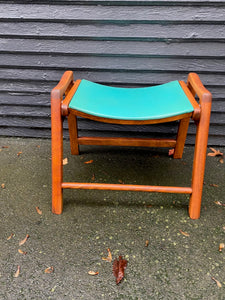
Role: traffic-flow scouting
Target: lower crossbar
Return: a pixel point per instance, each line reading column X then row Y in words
column 126, row 187
column 123, row 141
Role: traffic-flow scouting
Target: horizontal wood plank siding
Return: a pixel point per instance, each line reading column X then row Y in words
column 120, row 43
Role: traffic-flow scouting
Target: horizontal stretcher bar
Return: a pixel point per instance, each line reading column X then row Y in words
column 126, row 187
column 138, row 142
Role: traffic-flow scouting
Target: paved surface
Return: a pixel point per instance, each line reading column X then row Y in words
column 173, row 266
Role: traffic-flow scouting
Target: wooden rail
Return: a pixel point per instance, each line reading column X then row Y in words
column 126, row 187
column 138, row 142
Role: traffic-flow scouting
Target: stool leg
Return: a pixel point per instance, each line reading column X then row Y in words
column 181, row 137
column 199, row 160
column 57, row 156
column 74, row 146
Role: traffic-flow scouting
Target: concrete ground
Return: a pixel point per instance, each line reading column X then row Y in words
column 172, row 266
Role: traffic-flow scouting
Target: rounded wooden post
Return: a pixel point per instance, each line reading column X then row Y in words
column 73, row 132
column 57, row 152
column 181, row 138
column 200, row 156
column 57, row 94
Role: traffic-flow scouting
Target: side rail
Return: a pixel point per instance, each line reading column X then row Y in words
column 62, row 87
column 197, row 88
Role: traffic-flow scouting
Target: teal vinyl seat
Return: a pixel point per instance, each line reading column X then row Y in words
column 148, row 103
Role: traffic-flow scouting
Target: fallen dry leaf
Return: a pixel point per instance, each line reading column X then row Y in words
column 214, row 185
column 22, row 252
column 109, row 257
column 17, row 272
column 93, row 177
column 11, row 235
column 5, row 147
column 93, row 273
column 3, row 186
column 146, row 243
column 219, row 203
column 38, row 210
column 215, row 152
column 221, row 246
column 49, row 270
column 119, row 267
column 184, row 233
column 19, row 153
column 221, row 160
column 171, row 152
column 24, row 240
column 65, row 161
column 223, row 227
column 89, row 161
column 217, row 282
column 121, row 181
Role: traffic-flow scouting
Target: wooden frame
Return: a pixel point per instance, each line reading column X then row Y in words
column 61, row 96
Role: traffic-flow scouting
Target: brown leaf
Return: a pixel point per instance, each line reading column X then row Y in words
column 93, row 177
column 5, row 147
column 119, row 267
column 17, row 272
column 11, row 235
column 89, row 161
column 219, row 203
column 221, row 246
column 49, row 270
column 215, row 152
column 184, row 233
column 93, row 273
column 121, row 181
column 146, row 243
column 217, row 282
column 109, row 257
column 24, row 240
column 214, row 185
column 171, row 152
column 22, row 252
column 38, row 210
column 221, row 160
column 19, row 153
column 3, row 185
column 65, row 161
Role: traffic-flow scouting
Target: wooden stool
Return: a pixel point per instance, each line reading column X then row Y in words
column 151, row 105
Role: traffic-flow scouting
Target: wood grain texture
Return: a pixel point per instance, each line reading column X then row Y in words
column 104, row 12
column 116, row 42
column 126, row 187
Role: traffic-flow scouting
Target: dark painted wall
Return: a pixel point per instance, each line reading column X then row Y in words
column 120, row 43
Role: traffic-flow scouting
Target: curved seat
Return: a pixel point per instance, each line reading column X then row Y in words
column 148, row 103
